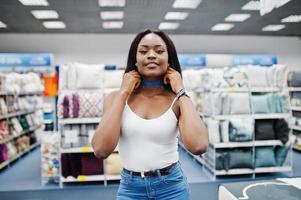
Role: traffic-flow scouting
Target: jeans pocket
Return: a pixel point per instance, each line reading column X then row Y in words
column 174, row 177
column 125, row 178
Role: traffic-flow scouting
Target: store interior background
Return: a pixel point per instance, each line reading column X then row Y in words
column 112, row 49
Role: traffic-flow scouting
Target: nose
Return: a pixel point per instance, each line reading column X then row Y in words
column 151, row 54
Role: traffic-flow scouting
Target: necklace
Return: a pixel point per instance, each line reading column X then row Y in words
column 153, row 83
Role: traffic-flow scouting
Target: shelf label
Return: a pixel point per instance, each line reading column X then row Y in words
column 232, row 89
column 25, row 60
column 82, row 178
column 2, row 165
column 86, row 149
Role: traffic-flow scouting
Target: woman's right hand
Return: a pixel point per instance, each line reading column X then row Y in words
column 131, row 80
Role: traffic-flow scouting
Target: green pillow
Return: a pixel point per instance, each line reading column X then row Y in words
column 280, row 154
column 265, row 157
column 240, row 158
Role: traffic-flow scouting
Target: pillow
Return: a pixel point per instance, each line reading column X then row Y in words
column 220, row 160
column 280, row 154
column 241, row 129
column 240, row 103
column 89, row 76
column 113, row 164
column 113, row 79
column 63, row 77
column 257, row 76
column 213, row 130
column 265, row 157
column 260, row 103
column 90, row 165
column 264, row 129
column 281, row 73
column 224, row 127
column 72, row 77
column 296, row 79
column 239, row 158
column 281, row 130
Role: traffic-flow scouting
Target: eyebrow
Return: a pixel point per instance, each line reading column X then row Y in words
column 158, row 45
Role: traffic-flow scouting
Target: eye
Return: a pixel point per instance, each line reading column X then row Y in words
column 142, row 51
column 160, row 51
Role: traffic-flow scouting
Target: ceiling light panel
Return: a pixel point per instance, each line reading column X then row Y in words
column 237, row 17
column 112, row 15
column 54, row 25
column 222, row 27
column 111, row 3
column 189, row 4
column 273, row 27
column 176, row 15
column 112, row 25
column 168, row 25
column 292, row 19
column 34, row 2
column 251, row 5
column 45, row 14
column 2, row 25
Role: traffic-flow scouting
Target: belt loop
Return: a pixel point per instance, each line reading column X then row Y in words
column 131, row 174
column 142, row 174
column 159, row 174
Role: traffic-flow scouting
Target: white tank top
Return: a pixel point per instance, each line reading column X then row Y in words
column 148, row 144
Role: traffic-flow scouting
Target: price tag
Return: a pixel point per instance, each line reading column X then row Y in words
column 82, row 178
column 232, row 89
column 86, row 149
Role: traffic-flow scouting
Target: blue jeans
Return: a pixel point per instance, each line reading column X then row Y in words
column 173, row 186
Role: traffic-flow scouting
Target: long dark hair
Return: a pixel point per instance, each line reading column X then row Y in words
column 171, row 49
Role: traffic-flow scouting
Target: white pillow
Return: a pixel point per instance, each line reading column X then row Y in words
column 213, row 130
column 89, row 76
column 113, row 78
column 63, row 77
column 224, row 127
column 257, row 76
column 72, row 77
column 240, row 103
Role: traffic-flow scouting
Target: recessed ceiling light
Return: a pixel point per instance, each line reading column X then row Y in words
column 112, row 25
column 190, row 4
column 54, row 25
column 273, row 27
column 111, row 3
column 282, row 2
column 2, row 25
column 222, row 27
column 237, row 17
column 251, row 5
column 176, row 15
column 292, row 19
column 168, row 25
column 112, row 15
column 45, row 14
column 34, row 2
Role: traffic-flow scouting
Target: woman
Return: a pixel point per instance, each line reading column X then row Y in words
column 144, row 117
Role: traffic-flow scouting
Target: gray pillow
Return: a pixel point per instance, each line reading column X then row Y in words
column 265, row 157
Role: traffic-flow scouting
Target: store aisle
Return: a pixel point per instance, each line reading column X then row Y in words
column 25, row 174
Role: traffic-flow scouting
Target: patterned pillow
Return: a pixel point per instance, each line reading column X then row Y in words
column 90, row 103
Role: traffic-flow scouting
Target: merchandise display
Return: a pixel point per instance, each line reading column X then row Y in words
column 294, row 88
column 80, row 104
column 246, row 113
column 20, row 114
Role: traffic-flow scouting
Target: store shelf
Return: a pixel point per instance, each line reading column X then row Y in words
column 23, row 133
column 296, row 108
column 297, row 147
column 295, row 127
column 4, row 164
column 234, row 172
column 4, row 93
column 273, row 169
column 257, row 143
column 294, row 89
column 86, row 149
column 48, row 121
column 15, row 114
column 245, row 89
column 95, row 120
column 255, row 116
column 111, row 177
column 83, row 178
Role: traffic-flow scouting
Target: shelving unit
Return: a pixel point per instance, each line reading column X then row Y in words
column 296, row 128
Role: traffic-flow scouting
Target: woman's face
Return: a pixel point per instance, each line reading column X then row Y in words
column 152, row 57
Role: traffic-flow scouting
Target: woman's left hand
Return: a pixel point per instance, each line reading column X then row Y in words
column 173, row 78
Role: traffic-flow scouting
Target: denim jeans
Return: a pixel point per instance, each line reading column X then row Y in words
column 173, row 186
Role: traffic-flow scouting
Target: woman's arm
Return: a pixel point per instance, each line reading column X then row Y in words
column 192, row 129
column 107, row 133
